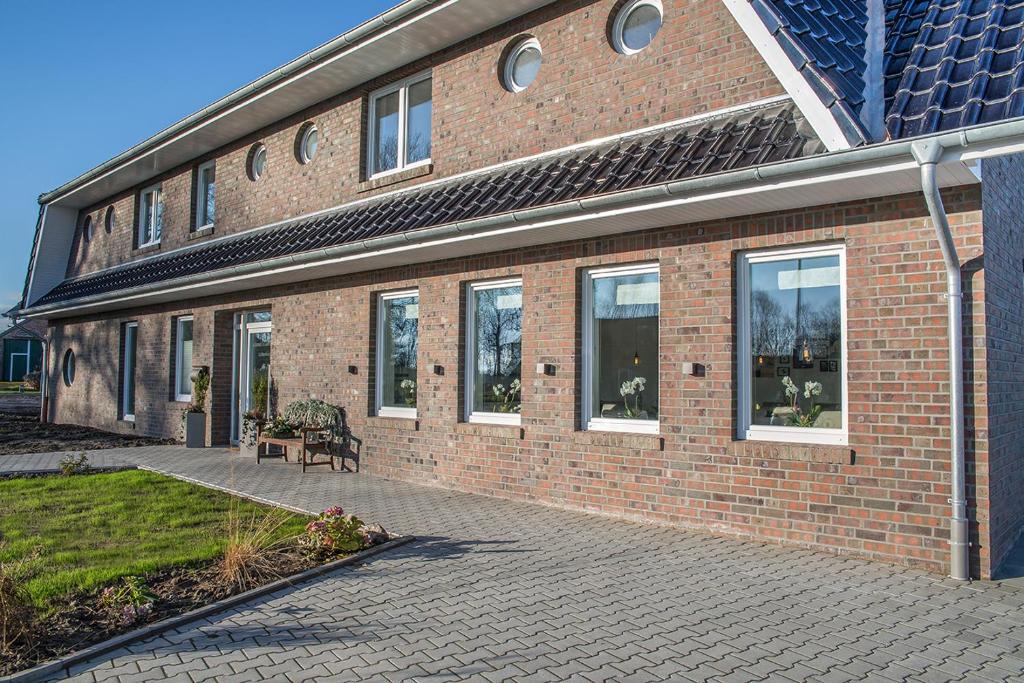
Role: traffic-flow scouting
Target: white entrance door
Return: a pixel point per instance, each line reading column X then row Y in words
column 251, row 357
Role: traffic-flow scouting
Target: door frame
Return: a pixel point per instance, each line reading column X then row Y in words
column 240, row 347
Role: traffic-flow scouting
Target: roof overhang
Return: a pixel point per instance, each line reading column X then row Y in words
column 412, row 30
column 868, row 172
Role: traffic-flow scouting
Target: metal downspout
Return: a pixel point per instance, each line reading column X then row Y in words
column 927, row 154
column 44, row 384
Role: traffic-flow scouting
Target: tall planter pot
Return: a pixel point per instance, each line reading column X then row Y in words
column 195, row 430
column 248, row 442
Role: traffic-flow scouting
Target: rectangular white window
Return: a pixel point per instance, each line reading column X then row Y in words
column 206, row 194
column 183, row 359
column 621, row 308
column 131, row 338
column 398, row 318
column 400, row 125
column 792, row 345
column 151, row 216
column 494, row 357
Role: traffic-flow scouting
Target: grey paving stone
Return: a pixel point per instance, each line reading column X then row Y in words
column 496, row 590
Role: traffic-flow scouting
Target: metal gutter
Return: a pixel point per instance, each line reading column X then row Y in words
column 927, row 153
column 665, row 193
column 359, row 34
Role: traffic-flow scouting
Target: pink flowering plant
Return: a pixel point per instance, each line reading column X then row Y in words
column 130, row 601
column 334, row 533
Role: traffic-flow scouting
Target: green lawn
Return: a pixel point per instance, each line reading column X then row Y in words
column 12, row 388
column 90, row 530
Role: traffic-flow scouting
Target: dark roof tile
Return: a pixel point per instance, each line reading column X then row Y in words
column 952, row 63
column 767, row 135
column 827, row 41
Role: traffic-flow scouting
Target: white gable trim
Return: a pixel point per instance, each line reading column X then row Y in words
column 814, row 110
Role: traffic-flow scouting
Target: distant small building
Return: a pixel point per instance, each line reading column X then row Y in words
column 22, row 349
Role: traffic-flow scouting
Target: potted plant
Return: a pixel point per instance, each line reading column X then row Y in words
column 248, row 442
column 195, row 414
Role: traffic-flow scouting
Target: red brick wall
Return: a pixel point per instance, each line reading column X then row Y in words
column 1002, row 200
column 699, row 61
column 889, row 503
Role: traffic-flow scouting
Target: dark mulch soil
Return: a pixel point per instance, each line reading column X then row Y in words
column 23, row 433
column 81, row 620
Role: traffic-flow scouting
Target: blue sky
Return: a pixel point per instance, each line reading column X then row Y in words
column 82, row 81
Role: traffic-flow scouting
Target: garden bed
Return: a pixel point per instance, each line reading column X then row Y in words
column 92, row 563
column 21, row 432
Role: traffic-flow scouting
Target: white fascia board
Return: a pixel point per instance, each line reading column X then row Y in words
column 49, row 263
column 814, row 110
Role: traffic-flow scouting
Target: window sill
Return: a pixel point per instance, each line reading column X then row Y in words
column 200, row 233
column 620, row 439
column 794, row 452
column 402, row 413
column 149, row 248
column 495, row 430
column 395, row 177
column 407, row 424
column 501, row 419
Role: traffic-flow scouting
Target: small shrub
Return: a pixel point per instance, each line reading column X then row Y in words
column 17, row 615
column 200, row 385
column 71, row 465
column 31, row 381
column 334, row 532
column 280, row 427
column 249, row 556
column 130, row 602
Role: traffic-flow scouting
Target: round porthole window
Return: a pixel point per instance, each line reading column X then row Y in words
column 522, row 65
column 636, row 24
column 87, row 229
column 309, row 139
column 110, row 219
column 257, row 161
column 69, row 367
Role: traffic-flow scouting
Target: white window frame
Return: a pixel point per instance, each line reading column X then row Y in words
column 606, row 424
column 157, row 191
column 809, row 435
column 304, row 155
column 257, row 149
column 619, row 25
column 87, row 229
column 179, row 349
column 508, row 73
column 480, row 417
column 125, row 415
column 402, row 88
column 392, row 411
column 68, row 369
column 200, row 201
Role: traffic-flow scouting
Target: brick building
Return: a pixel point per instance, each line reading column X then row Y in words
column 680, row 261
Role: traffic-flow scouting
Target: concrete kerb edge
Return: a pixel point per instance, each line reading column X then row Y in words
column 48, row 670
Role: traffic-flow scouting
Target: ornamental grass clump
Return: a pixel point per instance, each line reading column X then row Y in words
column 17, row 615
column 254, row 542
column 335, row 533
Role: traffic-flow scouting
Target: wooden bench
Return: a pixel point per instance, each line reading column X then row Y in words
column 308, row 448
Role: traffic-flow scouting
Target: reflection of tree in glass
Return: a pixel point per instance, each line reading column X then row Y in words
column 403, row 335
column 419, row 147
column 823, row 324
column 387, row 153
column 772, row 330
column 499, row 331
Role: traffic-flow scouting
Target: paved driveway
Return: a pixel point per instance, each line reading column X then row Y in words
column 495, row 590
